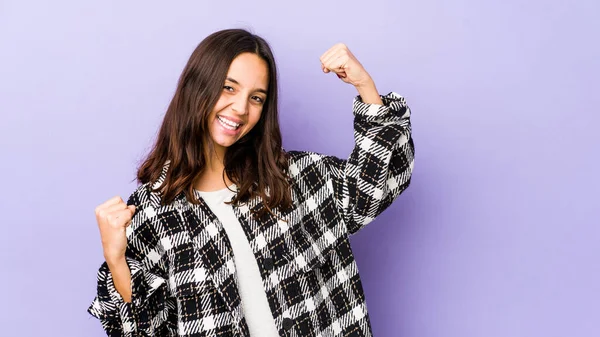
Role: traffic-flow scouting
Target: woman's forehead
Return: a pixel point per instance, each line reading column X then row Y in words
column 249, row 71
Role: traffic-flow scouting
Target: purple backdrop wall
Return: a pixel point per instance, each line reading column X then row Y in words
column 498, row 234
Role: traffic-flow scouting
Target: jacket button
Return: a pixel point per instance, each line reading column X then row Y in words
column 268, row 263
column 287, row 323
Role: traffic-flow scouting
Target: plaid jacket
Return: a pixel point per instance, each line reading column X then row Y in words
column 181, row 262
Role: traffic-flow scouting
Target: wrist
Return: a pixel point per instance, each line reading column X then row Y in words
column 368, row 92
column 365, row 84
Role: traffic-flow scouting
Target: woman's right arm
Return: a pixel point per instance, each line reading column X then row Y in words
column 113, row 218
column 132, row 296
column 121, row 276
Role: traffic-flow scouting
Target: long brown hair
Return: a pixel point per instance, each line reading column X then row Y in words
column 256, row 163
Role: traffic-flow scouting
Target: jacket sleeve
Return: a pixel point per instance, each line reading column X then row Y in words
column 379, row 167
column 148, row 312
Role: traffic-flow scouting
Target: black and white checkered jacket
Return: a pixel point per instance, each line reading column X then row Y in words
column 182, row 266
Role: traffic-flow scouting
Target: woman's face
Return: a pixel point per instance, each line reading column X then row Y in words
column 240, row 106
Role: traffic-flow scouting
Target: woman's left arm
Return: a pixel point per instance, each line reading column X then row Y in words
column 380, row 166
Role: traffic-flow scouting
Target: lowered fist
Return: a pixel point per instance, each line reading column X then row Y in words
column 113, row 217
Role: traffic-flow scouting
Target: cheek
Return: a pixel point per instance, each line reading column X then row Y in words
column 221, row 103
column 255, row 116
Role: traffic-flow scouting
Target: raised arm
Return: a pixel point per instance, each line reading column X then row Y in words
column 380, row 166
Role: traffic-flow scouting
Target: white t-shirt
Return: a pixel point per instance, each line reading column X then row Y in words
column 254, row 299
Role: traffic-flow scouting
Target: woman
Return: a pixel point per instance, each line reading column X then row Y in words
column 229, row 234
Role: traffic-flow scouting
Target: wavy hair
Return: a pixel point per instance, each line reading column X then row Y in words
column 256, row 163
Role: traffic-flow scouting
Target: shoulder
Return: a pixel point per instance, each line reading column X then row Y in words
column 148, row 200
column 143, row 196
column 299, row 159
column 302, row 163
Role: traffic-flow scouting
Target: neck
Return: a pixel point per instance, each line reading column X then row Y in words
column 211, row 177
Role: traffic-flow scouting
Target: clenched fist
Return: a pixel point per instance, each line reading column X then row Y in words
column 341, row 61
column 113, row 217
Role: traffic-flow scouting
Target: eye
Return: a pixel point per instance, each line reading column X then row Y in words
column 257, row 99
column 228, row 88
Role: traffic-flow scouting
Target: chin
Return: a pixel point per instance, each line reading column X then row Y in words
column 223, row 144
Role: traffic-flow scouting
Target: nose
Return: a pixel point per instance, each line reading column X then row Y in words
column 240, row 105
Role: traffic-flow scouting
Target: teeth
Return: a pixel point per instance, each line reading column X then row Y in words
column 227, row 123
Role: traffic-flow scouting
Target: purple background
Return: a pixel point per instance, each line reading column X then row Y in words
column 498, row 234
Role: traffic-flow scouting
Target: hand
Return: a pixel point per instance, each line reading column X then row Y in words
column 113, row 217
column 343, row 63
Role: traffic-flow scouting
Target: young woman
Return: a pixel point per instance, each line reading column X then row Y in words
column 230, row 235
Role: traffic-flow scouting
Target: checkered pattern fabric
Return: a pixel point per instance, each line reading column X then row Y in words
column 181, row 261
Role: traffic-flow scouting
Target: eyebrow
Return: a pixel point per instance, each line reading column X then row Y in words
column 238, row 83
